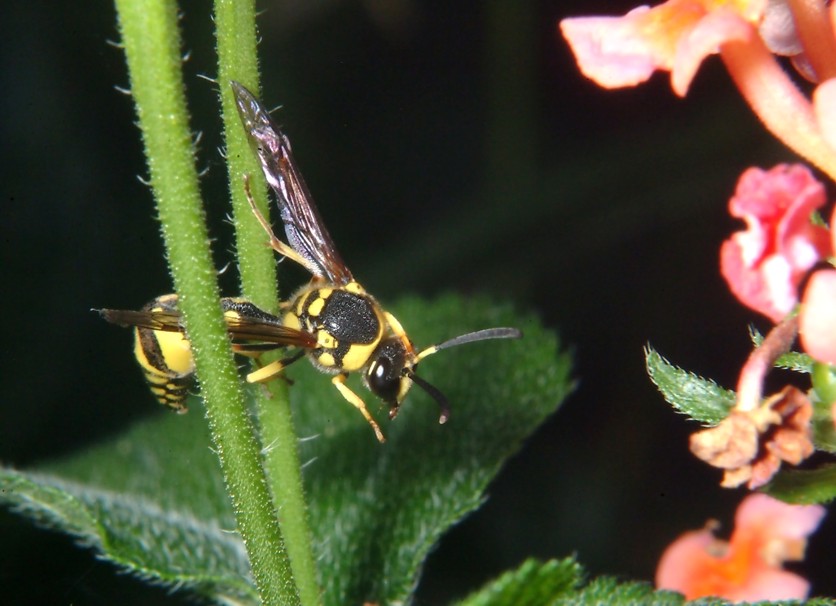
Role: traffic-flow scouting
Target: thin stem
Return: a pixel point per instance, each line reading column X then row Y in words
column 824, row 382
column 812, row 23
column 152, row 46
column 760, row 362
column 237, row 60
column 777, row 102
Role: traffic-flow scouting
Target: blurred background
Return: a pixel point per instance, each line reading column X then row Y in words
column 450, row 147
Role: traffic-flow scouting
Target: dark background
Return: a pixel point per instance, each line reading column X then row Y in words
column 450, row 146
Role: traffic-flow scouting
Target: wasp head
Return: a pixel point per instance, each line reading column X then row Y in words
column 392, row 370
column 390, row 373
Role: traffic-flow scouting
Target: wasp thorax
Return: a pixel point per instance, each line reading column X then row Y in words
column 385, row 376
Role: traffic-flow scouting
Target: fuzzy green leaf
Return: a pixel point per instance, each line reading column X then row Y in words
column 701, row 399
column 804, row 487
column 532, row 584
column 792, row 360
column 607, row 590
column 387, row 505
column 153, row 500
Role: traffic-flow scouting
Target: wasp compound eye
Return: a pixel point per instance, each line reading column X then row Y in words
column 384, row 374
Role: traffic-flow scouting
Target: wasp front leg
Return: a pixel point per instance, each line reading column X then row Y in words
column 358, row 403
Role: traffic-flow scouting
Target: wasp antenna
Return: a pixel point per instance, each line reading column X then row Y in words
column 436, row 394
column 479, row 335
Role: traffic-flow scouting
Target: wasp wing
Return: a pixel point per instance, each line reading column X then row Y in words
column 155, row 320
column 250, row 328
column 305, row 231
column 253, row 329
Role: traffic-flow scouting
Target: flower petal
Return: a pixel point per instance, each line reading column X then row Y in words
column 687, row 561
column 817, row 319
column 774, row 518
column 674, row 36
column 768, row 584
column 765, row 264
column 705, row 39
column 612, row 51
column 749, row 566
column 824, row 106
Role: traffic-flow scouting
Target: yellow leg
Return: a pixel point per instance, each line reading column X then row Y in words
column 276, row 244
column 273, row 369
column 357, row 402
column 265, row 373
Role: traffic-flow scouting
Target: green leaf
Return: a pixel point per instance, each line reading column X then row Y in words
column 556, row 583
column 534, row 583
column 152, row 502
column 804, row 487
column 701, row 399
column 793, row 360
column 606, row 590
column 375, row 510
column 387, row 505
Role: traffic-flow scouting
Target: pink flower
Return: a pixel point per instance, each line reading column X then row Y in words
column 817, row 319
column 675, row 36
column 748, row 567
column 765, row 264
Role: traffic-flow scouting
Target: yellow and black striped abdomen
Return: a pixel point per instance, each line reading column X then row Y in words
column 346, row 321
column 166, row 359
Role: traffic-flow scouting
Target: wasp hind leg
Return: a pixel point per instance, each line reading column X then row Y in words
column 358, row 403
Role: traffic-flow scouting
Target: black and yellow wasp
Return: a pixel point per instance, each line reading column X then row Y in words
column 333, row 320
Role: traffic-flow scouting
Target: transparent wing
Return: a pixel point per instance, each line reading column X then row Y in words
column 305, row 231
column 250, row 328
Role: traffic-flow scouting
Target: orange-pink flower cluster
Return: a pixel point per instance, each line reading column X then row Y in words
column 748, row 567
column 781, row 265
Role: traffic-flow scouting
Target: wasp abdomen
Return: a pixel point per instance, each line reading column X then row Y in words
column 165, row 358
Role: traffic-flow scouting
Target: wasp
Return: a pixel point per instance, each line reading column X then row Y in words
column 165, row 354
column 332, row 320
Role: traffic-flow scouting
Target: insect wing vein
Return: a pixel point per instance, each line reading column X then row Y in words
column 248, row 330
column 305, row 231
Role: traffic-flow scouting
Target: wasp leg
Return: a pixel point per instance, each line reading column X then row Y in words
column 276, row 244
column 357, row 402
column 271, row 370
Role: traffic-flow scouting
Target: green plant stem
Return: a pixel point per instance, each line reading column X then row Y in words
column 824, row 382
column 152, row 46
column 237, row 60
